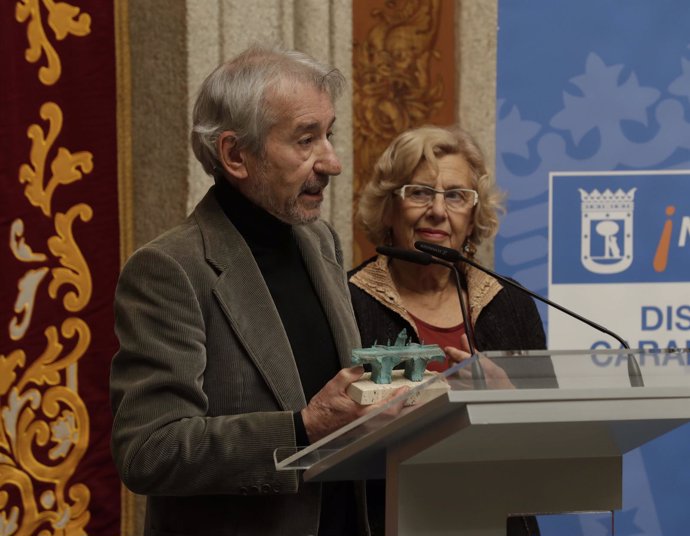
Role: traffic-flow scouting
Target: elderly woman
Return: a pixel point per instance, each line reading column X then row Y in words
column 431, row 185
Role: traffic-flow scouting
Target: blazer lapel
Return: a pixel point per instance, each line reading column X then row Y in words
column 330, row 284
column 248, row 305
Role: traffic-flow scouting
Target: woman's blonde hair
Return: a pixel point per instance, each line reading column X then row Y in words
column 398, row 163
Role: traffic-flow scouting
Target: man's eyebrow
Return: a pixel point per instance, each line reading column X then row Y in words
column 311, row 126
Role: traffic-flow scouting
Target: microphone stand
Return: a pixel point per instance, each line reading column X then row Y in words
column 453, row 256
column 418, row 257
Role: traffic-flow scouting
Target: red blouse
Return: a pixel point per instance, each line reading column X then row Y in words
column 429, row 334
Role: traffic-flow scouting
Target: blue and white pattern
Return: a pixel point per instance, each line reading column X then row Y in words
column 585, row 89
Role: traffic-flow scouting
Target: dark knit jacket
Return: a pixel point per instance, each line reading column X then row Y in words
column 503, row 317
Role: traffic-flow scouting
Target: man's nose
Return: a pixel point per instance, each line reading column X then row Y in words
column 327, row 162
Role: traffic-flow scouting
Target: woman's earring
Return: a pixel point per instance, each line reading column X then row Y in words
column 469, row 248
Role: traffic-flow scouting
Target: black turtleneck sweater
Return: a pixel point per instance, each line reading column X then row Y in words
column 275, row 249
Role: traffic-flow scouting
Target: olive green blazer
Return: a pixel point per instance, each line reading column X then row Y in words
column 204, row 383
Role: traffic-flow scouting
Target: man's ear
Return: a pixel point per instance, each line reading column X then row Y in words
column 231, row 158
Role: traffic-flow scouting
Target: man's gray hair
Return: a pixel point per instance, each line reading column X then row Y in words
column 234, row 97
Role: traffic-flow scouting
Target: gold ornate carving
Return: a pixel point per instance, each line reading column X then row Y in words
column 44, row 435
column 8, row 365
column 63, row 19
column 393, row 88
column 44, row 423
column 65, row 167
column 28, row 284
column 44, row 430
column 395, row 62
column 75, row 271
column 48, row 368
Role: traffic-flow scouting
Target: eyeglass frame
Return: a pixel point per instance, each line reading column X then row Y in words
column 401, row 192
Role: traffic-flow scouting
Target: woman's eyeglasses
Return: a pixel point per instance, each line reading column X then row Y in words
column 456, row 199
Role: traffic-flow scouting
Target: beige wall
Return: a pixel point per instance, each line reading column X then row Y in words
column 476, row 34
column 174, row 44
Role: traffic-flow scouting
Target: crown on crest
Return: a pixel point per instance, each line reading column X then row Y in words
column 607, row 200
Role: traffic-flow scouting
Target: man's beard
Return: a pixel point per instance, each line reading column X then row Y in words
column 290, row 210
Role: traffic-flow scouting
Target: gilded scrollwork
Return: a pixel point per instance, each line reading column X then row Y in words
column 66, row 167
column 48, row 369
column 8, row 375
column 44, row 422
column 43, row 411
column 27, row 286
column 64, row 19
column 75, row 271
column 45, row 434
column 393, row 88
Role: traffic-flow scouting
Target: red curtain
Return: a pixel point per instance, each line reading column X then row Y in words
column 59, row 260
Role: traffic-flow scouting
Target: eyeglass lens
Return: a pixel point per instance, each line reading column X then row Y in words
column 424, row 195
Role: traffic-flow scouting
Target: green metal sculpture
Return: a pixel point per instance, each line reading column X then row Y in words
column 383, row 358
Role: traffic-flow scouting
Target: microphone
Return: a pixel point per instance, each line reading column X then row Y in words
column 423, row 258
column 454, row 256
column 408, row 255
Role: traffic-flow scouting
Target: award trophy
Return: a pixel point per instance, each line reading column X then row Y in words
column 383, row 378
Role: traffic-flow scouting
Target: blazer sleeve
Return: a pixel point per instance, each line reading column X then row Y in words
column 164, row 442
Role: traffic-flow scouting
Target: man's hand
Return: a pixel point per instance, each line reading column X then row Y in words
column 331, row 408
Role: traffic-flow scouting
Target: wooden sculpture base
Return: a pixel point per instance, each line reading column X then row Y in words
column 366, row 392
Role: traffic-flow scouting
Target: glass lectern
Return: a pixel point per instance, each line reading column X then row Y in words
column 541, row 432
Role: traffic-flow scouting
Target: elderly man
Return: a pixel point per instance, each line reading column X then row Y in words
column 229, row 323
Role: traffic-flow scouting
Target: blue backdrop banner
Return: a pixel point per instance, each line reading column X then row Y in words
column 593, row 148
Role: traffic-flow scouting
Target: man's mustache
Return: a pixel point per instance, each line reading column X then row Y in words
column 319, row 182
